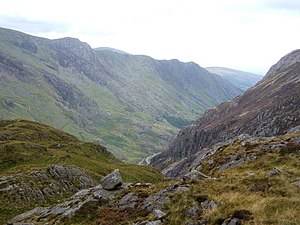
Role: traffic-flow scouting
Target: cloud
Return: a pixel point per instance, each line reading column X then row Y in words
column 288, row 5
column 243, row 34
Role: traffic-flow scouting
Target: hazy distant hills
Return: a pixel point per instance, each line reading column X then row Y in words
column 240, row 79
column 131, row 104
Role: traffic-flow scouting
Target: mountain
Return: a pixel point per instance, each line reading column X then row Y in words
column 40, row 165
column 270, row 108
column 131, row 104
column 111, row 49
column 240, row 79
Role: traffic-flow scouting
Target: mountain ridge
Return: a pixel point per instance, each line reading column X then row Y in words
column 267, row 109
column 100, row 95
column 240, row 79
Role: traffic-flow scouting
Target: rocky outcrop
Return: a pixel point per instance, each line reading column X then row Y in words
column 270, row 108
column 42, row 185
column 112, row 181
column 55, row 213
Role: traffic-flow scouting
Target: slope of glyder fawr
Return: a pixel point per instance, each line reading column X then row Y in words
column 270, row 108
column 131, row 104
column 40, row 165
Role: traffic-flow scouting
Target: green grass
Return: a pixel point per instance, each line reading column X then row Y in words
column 133, row 94
column 28, row 146
column 237, row 190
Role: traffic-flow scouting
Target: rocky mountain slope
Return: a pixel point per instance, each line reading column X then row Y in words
column 249, row 181
column 40, row 165
column 131, row 104
column 240, row 79
column 270, row 108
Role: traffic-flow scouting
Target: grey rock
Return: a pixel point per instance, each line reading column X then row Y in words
column 156, row 201
column 181, row 189
column 273, row 172
column 297, row 183
column 208, row 205
column 67, row 208
column 54, row 181
column 156, row 222
column 232, row 221
column 194, row 175
column 27, row 214
column 297, row 140
column 112, row 181
column 128, row 201
column 159, row 214
column 212, row 205
column 192, row 212
column 294, row 129
column 231, row 164
column 141, row 223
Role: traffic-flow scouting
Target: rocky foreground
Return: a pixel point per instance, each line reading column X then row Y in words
column 242, row 182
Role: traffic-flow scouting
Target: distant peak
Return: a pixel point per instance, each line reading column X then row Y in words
column 112, row 50
column 285, row 62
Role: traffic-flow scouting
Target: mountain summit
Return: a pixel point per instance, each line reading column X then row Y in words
column 270, row 108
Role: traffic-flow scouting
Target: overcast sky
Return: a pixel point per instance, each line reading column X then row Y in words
column 250, row 35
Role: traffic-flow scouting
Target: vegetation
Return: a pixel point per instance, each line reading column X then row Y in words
column 245, row 191
column 119, row 102
column 26, row 146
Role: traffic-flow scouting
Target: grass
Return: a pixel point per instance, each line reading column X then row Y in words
column 28, row 146
column 243, row 191
column 137, row 91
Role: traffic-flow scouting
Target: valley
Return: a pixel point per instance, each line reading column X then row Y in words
column 132, row 104
column 104, row 137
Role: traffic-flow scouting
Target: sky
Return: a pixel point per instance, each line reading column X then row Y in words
column 249, row 35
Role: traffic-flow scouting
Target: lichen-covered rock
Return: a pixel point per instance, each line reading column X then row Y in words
column 54, row 214
column 159, row 214
column 112, row 181
column 37, row 186
column 194, row 175
column 129, row 201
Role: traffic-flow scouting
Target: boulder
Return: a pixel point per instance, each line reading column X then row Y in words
column 192, row 212
column 112, row 181
column 128, row 201
column 273, row 172
column 297, row 183
column 194, row 175
column 231, row 164
column 159, row 214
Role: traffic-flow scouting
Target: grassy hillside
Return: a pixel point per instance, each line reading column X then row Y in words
column 250, row 191
column 131, row 104
column 26, row 146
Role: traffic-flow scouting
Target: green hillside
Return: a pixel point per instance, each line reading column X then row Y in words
column 133, row 105
column 26, row 146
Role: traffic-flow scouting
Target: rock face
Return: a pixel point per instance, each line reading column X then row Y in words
column 112, row 181
column 55, row 213
column 57, row 180
column 270, row 108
